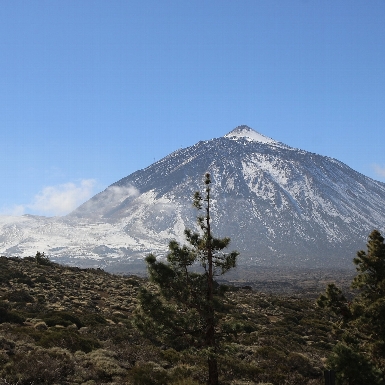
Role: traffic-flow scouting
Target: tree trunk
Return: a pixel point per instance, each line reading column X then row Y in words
column 210, row 320
column 213, row 371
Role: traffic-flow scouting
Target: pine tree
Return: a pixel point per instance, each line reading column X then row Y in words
column 359, row 358
column 370, row 279
column 180, row 308
column 41, row 259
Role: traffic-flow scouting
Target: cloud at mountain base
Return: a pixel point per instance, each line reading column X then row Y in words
column 56, row 200
column 119, row 193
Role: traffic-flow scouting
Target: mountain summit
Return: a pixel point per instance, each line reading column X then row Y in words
column 248, row 133
column 279, row 205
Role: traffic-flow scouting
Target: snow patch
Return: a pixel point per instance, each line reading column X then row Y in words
column 249, row 134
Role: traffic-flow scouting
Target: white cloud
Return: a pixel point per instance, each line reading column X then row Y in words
column 55, row 200
column 15, row 210
column 62, row 199
column 379, row 170
column 116, row 194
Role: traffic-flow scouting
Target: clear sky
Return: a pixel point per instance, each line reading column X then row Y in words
column 92, row 91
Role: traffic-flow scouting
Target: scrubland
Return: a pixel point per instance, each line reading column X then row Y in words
column 66, row 325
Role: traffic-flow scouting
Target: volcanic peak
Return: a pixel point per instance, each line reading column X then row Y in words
column 249, row 134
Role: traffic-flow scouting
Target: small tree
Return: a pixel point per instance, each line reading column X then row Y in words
column 41, row 259
column 181, row 308
column 359, row 358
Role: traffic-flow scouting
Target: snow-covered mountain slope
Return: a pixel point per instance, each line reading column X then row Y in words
column 279, row 206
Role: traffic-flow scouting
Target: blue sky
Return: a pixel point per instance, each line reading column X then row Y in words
column 92, row 91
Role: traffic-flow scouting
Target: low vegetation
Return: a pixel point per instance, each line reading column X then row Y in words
column 65, row 325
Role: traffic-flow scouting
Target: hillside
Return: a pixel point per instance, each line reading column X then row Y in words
column 65, row 325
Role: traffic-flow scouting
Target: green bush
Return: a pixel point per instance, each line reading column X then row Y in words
column 41, row 279
column 7, row 345
column 38, row 367
column 171, row 356
column 26, row 280
column 270, row 353
column 68, row 339
column 63, row 319
column 19, row 296
column 232, row 367
column 149, row 374
column 120, row 335
column 93, row 319
column 300, row 363
column 7, row 273
column 10, row 316
column 105, row 364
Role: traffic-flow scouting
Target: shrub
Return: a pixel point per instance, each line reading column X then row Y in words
column 26, row 280
column 41, row 279
column 7, row 345
column 10, row 316
column 93, row 319
column 149, row 374
column 63, row 319
column 101, row 365
column 171, row 355
column 68, row 339
column 302, row 365
column 7, row 273
column 39, row 366
column 41, row 326
column 270, row 353
column 237, row 368
column 19, row 296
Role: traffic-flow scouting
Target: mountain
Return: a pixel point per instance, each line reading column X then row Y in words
column 280, row 206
